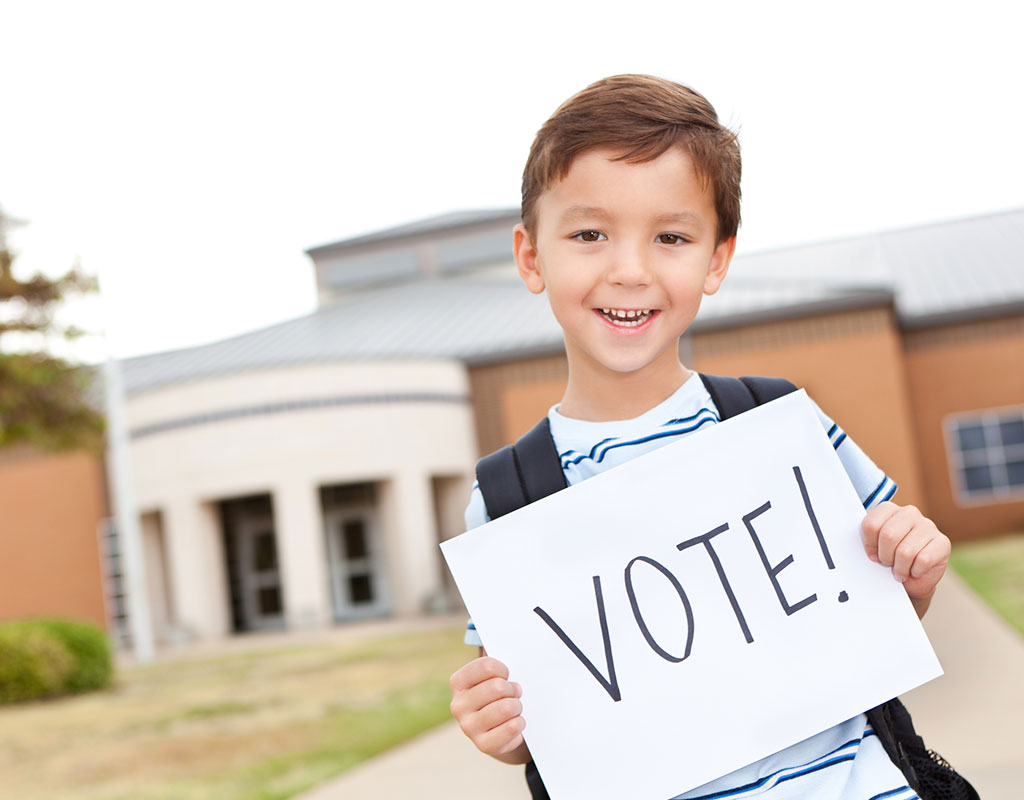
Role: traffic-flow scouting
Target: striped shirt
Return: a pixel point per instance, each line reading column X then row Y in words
column 846, row 762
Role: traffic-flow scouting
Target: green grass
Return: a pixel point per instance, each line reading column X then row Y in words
column 994, row 568
column 257, row 725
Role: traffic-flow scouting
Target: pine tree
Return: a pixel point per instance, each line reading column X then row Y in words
column 44, row 399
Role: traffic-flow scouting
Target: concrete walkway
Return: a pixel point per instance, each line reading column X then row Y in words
column 972, row 715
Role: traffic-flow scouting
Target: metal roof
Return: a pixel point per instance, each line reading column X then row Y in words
column 939, row 272
column 932, row 273
column 441, row 224
column 467, row 319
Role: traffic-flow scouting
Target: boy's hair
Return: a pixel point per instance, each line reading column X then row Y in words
column 640, row 117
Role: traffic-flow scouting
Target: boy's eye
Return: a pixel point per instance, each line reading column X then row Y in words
column 589, row 236
column 670, row 238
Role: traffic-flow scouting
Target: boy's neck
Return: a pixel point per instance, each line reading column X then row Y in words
column 619, row 396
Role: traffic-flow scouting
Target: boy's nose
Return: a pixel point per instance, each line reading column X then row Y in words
column 629, row 268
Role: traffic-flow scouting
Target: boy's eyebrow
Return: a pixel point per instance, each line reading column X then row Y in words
column 578, row 213
column 683, row 217
column 583, row 213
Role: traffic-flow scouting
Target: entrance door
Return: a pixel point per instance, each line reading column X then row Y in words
column 262, row 606
column 357, row 581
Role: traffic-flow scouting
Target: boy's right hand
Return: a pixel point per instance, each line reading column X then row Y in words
column 486, row 704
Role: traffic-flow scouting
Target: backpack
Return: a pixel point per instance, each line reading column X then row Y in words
column 519, row 474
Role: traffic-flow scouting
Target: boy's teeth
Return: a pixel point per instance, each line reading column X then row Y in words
column 626, row 317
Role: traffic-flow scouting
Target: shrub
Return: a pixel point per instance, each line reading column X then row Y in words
column 43, row 658
column 90, row 649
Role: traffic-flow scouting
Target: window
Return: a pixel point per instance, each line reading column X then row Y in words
column 986, row 454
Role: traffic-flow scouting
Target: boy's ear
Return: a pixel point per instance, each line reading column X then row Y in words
column 526, row 259
column 719, row 266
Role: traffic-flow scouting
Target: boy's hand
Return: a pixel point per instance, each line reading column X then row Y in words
column 487, row 706
column 903, row 538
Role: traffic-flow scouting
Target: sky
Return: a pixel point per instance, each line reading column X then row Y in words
column 188, row 153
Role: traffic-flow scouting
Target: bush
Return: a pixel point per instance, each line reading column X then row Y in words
column 43, row 658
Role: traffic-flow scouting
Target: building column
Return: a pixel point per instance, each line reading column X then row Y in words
column 302, row 555
column 413, row 555
column 197, row 569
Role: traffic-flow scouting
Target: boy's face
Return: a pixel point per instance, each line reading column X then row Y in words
column 625, row 253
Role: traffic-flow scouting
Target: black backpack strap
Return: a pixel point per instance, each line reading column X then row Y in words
column 540, row 466
column 884, row 720
column 733, row 396
column 538, row 791
column 927, row 773
column 522, row 473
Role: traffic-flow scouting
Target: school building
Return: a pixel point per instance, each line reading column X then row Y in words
column 303, row 474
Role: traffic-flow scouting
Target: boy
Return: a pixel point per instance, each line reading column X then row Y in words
column 630, row 212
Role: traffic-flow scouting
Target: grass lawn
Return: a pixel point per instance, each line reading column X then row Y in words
column 258, row 725
column 994, row 568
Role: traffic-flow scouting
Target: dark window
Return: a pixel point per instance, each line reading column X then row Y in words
column 270, row 601
column 1012, row 431
column 978, row 479
column 972, row 437
column 987, row 454
column 355, row 539
column 265, row 552
column 360, row 589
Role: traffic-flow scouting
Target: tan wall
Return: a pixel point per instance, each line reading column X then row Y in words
column 959, row 368
column 509, row 398
column 851, row 363
column 49, row 542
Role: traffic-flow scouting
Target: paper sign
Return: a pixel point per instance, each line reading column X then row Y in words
column 691, row 611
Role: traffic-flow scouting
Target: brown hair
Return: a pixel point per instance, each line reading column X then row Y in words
column 640, row 117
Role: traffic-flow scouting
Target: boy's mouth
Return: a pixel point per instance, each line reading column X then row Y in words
column 627, row 318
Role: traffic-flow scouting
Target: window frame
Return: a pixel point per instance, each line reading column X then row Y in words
column 990, row 420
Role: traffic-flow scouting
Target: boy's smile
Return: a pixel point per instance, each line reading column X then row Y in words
column 625, row 252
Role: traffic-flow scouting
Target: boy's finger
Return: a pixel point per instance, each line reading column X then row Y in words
column 923, row 549
column 482, row 695
column 892, row 533
column 928, row 568
column 477, row 671
column 933, row 555
column 502, row 739
column 493, row 715
column 872, row 525
column 906, row 554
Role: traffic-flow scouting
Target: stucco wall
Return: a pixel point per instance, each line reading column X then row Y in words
column 398, row 424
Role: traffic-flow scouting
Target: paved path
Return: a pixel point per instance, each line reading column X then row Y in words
column 972, row 715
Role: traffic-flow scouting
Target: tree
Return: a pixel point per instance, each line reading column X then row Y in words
column 44, row 399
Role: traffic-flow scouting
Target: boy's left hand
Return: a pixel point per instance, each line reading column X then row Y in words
column 903, row 538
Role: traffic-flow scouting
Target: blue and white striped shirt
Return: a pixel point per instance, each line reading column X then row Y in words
column 846, row 762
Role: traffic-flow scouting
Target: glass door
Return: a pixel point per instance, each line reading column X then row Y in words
column 357, row 579
column 262, row 605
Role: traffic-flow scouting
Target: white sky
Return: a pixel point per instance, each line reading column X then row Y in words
column 189, row 152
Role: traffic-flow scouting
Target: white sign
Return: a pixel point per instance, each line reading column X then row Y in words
column 691, row 611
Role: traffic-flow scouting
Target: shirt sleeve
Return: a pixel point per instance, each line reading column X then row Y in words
column 476, row 515
column 873, row 486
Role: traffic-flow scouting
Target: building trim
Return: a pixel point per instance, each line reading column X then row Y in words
column 438, row 227
column 308, row 404
column 986, row 313
column 963, row 332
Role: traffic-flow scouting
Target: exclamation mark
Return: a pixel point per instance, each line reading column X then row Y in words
column 843, row 596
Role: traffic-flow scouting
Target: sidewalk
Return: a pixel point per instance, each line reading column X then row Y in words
column 972, row 715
